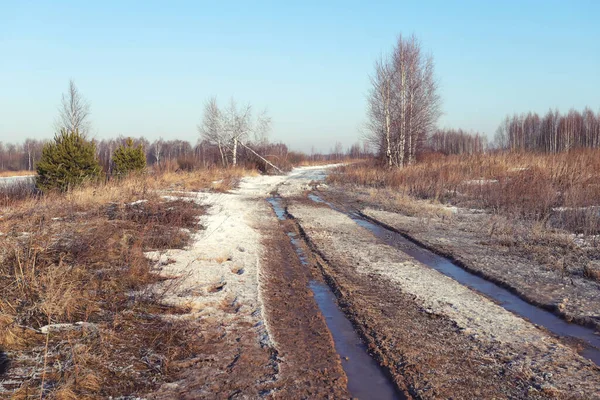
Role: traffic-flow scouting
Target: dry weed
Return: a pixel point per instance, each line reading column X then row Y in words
column 79, row 257
column 562, row 188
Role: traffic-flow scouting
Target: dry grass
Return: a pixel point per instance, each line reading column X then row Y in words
column 563, row 189
column 217, row 179
column 535, row 203
column 5, row 174
column 79, row 257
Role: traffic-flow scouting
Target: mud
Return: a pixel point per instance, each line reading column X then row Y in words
column 437, row 337
column 584, row 337
column 365, row 377
column 309, row 366
column 468, row 239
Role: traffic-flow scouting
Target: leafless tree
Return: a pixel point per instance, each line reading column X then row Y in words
column 404, row 105
column 74, row 111
column 552, row 133
column 212, row 128
column 450, row 141
column 382, row 104
column 231, row 127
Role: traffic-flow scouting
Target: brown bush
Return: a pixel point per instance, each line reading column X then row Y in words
column 524, row 185
column 79, row 257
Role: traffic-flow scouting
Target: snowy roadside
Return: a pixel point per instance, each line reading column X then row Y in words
column 219, row 282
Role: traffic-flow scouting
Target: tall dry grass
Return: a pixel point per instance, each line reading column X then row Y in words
column 78, row 257
column 7, row 174
column 563, row 189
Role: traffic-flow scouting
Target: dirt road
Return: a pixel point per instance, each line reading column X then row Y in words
column 257, row 283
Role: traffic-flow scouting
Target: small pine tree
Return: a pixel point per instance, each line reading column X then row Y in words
column 67, row 162
column 129, row 158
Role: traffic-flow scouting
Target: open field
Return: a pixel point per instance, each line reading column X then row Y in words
column 560, row 190
column 194, row 286
column 528, row 221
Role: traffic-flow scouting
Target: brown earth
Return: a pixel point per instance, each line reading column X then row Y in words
column 482, row 244
column 437, row 338
column 309, row 365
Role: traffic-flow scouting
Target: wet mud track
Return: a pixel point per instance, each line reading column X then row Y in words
column 584, row 337
column 320, row 343
column 431, row 349
column 309, row 366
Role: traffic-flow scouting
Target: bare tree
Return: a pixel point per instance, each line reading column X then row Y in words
column 403, row 103
column 381, row 105
column 238, row 125
column 262, row 129
column 552, row 133
column 212, row 129
column 230, row 128
column 74, row 111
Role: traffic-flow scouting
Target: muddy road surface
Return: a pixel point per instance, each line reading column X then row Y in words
column 295, row 297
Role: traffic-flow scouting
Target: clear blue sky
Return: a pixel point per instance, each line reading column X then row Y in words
column 147, row 67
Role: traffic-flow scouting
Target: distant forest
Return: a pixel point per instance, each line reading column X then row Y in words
column 173, row 154
column 552, row 133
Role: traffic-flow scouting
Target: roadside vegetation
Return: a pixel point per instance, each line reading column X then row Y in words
column 560, row 190
column 81, row 306
column 545, row 207
column 79, row 315
column 82, row 311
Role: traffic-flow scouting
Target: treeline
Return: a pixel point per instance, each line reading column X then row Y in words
column 552, row 133
column 452, row 141
column 21, row 156
column 176, row 154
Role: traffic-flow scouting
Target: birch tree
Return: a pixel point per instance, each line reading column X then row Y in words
column 212, row 128
column 230, row 128
column 74, row 112
column 404, row 105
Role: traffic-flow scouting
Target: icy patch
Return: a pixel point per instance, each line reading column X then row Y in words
column 480, row 181
column 135, row 203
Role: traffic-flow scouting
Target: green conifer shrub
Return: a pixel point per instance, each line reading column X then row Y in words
column 67, row 162
column 129, row 158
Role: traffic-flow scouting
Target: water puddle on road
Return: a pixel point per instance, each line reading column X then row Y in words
column 366, row 378
column 502, row 296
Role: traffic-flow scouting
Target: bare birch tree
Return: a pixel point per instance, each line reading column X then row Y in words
column 238, row 126
column 381, row 102
column 403, row 103
column 74, row 112
column 230, row 128
column 212, row 128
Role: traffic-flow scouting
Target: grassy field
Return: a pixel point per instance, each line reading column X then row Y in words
column 78, row 258
column 559, row 190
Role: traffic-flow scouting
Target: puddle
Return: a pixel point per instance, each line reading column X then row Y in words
column 4, row 363
column 502, row 296
column 366, row 379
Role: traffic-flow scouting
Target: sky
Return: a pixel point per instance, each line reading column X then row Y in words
column 147, row 67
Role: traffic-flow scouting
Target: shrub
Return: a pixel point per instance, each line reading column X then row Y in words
column 67, row 162
column 129, row 158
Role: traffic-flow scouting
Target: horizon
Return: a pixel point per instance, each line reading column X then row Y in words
column 148, row 70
